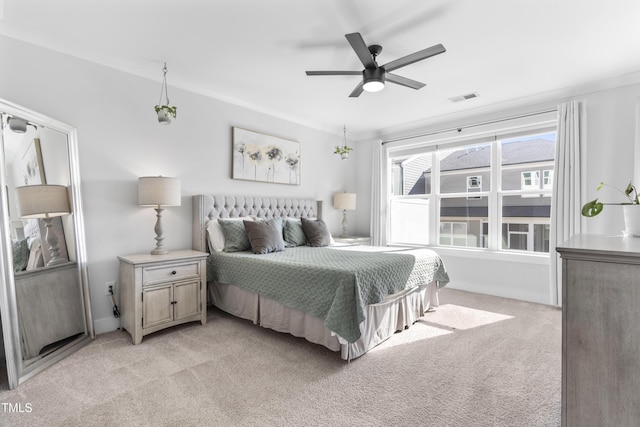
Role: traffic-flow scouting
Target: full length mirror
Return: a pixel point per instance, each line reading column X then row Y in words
column 44, row 301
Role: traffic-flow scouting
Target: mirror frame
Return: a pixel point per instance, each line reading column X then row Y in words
column 17, row 372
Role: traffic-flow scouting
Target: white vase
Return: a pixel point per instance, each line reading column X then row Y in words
column 631, row 220
column 163, row 117
column 344, row 156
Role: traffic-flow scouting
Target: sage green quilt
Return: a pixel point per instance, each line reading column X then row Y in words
column 332, row 284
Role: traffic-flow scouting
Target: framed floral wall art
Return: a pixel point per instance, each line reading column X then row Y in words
column 31, row 164
column 265, row 158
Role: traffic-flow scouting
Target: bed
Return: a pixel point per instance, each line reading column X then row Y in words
column 346, row 298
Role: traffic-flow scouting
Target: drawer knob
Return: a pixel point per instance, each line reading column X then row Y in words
column 174, row 272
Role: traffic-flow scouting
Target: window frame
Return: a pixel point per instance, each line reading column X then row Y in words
column 494, row 193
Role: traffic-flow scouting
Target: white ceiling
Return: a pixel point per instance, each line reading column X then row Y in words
column 255, row 52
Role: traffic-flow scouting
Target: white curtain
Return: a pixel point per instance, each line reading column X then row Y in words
column 567, row 187
column 378, row 196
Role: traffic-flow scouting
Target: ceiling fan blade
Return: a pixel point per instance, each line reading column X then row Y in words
column 414, row 57
column 334, row 73
column 357, row 91
column 360, row 47
column 403, row 81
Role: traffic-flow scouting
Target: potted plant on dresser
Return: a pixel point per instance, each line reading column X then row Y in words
column 631, row 208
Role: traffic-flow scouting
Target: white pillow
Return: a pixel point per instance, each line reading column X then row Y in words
column 215, row 236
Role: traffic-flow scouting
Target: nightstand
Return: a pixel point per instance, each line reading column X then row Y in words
column 353, row 240
column 160, row 291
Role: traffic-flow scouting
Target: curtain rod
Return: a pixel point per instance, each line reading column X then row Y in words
column 459, row 128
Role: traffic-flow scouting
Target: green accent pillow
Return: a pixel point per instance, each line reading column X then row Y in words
column 264, row 236
column 20, row 255
column 316, row 232
column 293, row 233
column 235, row 235
column 279, row 223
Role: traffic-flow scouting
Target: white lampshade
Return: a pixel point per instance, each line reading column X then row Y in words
column 158, row 191
column 42, row 201
column 344, row 201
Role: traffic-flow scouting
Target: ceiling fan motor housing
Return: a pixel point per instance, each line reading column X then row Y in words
column 373, row 79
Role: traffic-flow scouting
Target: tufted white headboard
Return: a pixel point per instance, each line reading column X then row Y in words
column 206, row 207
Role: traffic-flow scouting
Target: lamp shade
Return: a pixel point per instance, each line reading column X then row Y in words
column 158, row 191
column 344, row 201
column 42, row 201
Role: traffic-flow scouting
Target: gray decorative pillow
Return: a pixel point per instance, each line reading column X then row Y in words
column 316, row 232
column 235, row 235
column 264, row 236
column 293, row 233
column 20, row 255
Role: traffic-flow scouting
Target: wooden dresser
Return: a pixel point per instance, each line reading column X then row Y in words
column 601, row 331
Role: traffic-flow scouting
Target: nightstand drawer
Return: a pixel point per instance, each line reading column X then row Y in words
column 172, row 272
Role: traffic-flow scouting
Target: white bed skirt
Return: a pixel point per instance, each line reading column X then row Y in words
column 395, row 313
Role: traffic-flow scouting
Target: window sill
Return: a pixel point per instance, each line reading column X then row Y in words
column 528, row 258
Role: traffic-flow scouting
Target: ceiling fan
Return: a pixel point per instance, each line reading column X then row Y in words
column 374, row 75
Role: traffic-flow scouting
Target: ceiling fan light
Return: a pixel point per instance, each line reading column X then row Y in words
column 373, row 86
column 373, row 79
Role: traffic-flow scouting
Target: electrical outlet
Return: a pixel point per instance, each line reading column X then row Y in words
column 108, row 287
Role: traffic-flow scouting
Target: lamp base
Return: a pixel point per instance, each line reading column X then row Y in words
column 344, row 223
column 159, row 249
column 56, row 261
column 52, row 241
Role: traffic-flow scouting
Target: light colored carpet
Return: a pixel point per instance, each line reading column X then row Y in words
column 476, row 361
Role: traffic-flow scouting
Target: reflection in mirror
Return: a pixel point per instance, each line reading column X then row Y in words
column 44, row 301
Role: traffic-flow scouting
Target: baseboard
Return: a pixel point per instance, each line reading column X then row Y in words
column 108, row 324
column 511, row 293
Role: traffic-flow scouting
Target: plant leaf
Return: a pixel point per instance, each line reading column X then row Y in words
column 600, row 186
column 628, row 190
column 592, row 208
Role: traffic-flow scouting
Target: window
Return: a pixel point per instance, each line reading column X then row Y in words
column 530, row 180
column 467, row 216
column 453, row 233
column 494, row 194
column 474, row 184
column 547, row 180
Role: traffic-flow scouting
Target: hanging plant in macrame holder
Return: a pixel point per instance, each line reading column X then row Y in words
column 165, row 111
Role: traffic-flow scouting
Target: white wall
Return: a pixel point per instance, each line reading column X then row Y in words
column 120, row 140
column 611, row 129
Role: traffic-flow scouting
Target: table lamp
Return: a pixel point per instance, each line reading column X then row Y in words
column 44, row 202
column 346, row 202
column 158, row 191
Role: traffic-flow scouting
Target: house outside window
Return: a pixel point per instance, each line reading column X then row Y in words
column 530, row 180
column 454, row 233
column 474, row 185
column 494, row 195
column 547, row 179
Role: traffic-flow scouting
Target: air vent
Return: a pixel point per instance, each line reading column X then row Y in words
column 464, row 97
